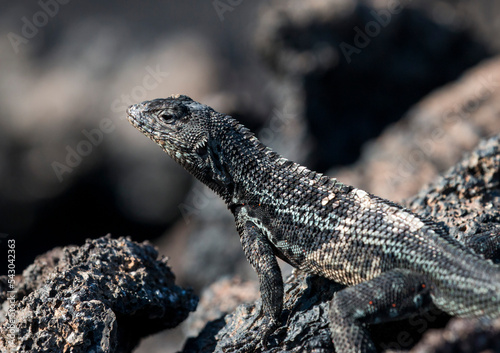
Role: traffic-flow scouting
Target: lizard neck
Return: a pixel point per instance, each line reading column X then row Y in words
column 249, row 164
column 260, row 175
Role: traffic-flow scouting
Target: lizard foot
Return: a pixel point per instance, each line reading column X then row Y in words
column 253, row 340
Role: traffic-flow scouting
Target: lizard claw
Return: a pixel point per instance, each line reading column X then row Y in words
column 266, row 330
column 251, row 342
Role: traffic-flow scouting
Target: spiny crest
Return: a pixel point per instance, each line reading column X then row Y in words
column 255, row 142
column 284, row 163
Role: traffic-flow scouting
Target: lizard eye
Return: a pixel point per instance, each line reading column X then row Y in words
column 167, row 117
column 170, row 116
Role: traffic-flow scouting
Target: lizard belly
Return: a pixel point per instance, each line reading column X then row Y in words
column 331, row 264
column 329, row 260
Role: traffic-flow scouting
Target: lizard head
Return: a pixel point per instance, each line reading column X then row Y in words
column 184, row 129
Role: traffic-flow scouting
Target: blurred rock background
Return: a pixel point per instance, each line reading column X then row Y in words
column 384, row 95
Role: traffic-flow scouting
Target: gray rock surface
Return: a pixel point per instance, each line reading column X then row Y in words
column 467, row 199
column 101, row 297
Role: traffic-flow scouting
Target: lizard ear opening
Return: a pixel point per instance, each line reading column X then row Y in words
column 202, row 150
column 217, row 168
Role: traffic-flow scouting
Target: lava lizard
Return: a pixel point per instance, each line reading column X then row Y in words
column 392, row 260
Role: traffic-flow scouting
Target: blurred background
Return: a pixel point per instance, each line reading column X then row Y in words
column 384, row 95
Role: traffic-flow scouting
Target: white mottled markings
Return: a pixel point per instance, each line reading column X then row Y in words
column 327, row 199
column 403, row 217
column 360, row 193
column 363, row 199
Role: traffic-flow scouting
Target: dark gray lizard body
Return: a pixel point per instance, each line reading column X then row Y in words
column 394, row 261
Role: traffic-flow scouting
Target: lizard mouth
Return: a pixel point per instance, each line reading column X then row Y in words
column 151, row 126
column 132, row 116
column 149, row 123
column 137, row 119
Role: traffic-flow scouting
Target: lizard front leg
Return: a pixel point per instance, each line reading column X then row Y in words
column 259, row 252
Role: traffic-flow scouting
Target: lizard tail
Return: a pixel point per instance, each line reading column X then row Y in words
column 470, row 288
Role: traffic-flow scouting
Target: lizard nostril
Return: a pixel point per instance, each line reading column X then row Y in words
column 132, row 109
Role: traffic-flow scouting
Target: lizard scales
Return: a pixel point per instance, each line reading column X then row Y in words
column 394, row 260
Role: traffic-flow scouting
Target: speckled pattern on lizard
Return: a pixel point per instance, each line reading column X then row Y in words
column 393, row 261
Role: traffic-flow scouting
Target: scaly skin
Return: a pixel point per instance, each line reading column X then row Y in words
column 394, row 261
